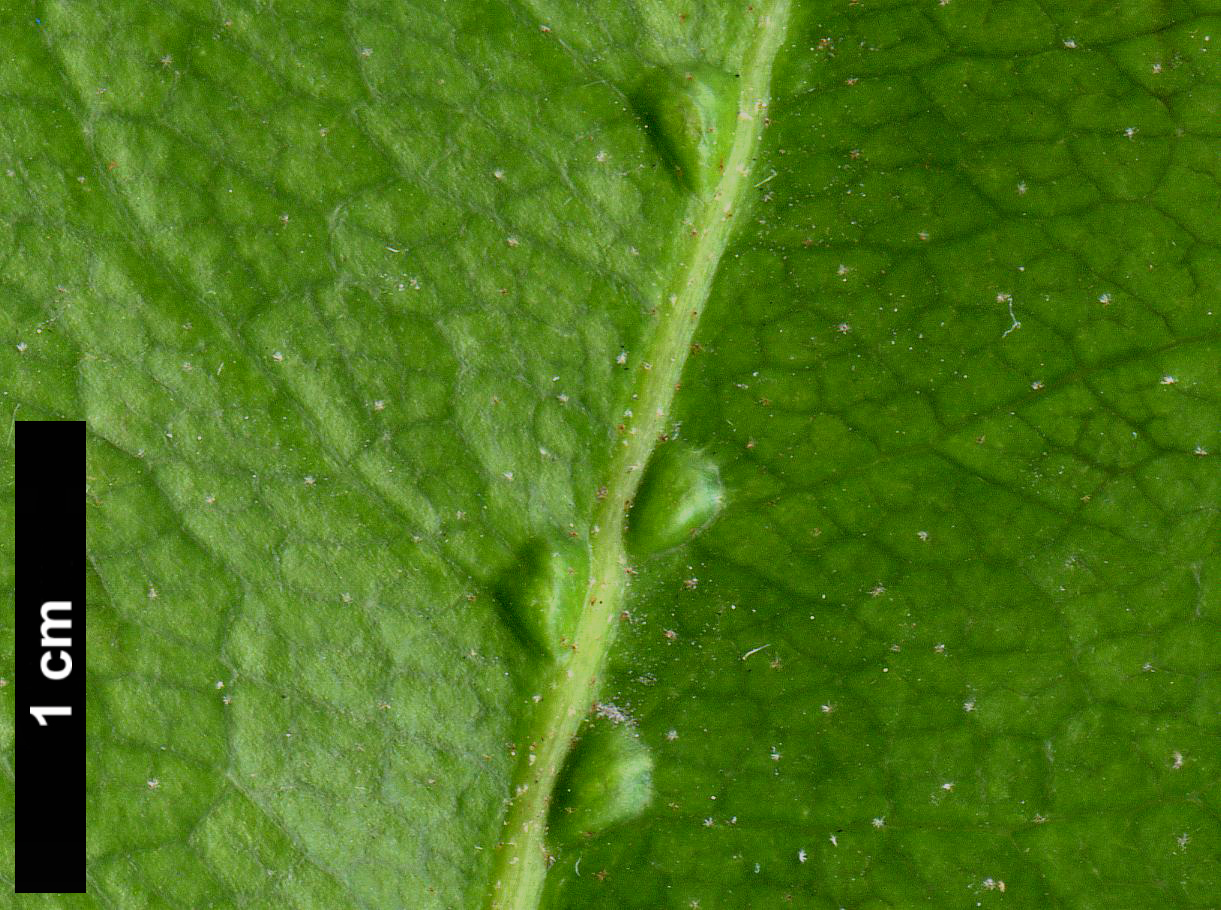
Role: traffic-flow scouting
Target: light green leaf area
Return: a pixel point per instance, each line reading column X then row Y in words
column 380, row 313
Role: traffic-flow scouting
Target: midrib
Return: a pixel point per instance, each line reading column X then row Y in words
column 571, row 682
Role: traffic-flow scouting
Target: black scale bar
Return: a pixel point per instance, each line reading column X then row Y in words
column 49, row 632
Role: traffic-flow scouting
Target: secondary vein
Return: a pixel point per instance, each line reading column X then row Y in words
column 572, row 681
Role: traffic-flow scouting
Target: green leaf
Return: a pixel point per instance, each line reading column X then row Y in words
column 383, row 318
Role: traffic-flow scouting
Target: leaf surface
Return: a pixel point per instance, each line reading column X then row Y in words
column 359, row 303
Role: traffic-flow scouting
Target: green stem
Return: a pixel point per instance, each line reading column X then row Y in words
column 571, row 682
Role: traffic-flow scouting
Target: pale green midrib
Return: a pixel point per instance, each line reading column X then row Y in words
column 571, row 682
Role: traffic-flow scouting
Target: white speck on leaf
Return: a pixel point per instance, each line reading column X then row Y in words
column 611, row 712
column 1016, row 323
